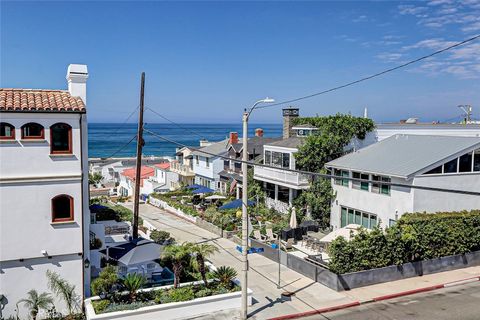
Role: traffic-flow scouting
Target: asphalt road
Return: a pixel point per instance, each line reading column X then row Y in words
column 455, row 303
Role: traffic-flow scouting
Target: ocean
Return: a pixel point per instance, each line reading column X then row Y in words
column 105, row 139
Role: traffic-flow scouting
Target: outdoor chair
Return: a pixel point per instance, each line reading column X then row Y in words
column 271, row 236
column 309, row 242
column 287, row 245
column 259, row 236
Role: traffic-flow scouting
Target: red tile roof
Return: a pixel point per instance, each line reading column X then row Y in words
column 164, row 165
column 39, row 100
column 145, row 172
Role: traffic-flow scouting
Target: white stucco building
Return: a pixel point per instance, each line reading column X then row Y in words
column 44, row 213
column 419, row 160
column 207, row 164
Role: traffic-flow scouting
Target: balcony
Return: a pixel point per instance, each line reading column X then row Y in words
column 284, row 178
column 181, row 169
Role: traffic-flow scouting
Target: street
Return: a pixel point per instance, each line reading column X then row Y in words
column 454, row 303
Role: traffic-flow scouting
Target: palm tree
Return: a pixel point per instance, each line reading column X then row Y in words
column 178, row 255
column 36, row 301
column 225, row 275
column 201, row 252
column 64, row 290
column 133, row 282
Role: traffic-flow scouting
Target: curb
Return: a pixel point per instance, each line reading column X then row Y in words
column 376, row 299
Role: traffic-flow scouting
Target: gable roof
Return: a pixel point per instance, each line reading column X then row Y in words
column 163, row 166
column 217, row 148
column 254, row 143
column 292, row 143
column 405, row 155
column 145, row 172
column 36, row 100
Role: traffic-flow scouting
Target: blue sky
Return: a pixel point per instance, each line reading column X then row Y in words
column 206, row 61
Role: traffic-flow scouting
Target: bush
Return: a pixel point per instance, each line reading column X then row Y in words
column 100, row 305
column 105, row 282
column 225, row 275
column 415, row 237
column 203, row 293
column 159, row 236
column 175, row 295
column 112, row 307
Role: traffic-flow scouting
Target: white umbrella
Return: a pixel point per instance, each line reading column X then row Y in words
column 293, row 219
column 215, row 197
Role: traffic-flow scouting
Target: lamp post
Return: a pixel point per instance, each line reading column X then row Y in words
column 244, row 281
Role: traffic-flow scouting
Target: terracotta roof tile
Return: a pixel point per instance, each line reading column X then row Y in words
column 39, row 100
column 164, row 165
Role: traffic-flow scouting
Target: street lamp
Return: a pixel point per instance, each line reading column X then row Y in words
column 246, row 115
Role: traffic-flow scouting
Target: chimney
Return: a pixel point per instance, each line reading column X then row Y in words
column 259, row 132
column 77, row 75
column 365, row 113
column 233, row 137
column 288, row 115
column 204, row 143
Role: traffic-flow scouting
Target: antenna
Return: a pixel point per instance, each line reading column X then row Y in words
column 467, row 109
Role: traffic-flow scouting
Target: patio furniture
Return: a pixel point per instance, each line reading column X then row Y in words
column 304, row 240
column 259, row 236
column 309, row 242
column 287, row 245
column 271, row 236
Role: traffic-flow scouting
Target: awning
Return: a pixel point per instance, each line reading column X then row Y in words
column 236, row 204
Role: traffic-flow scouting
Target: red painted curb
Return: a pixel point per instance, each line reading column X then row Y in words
column 376, row 299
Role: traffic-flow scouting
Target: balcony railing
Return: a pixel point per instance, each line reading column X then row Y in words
column 181, row 169
column 281, row 176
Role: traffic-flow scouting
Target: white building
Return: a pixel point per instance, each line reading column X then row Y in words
column 44, row 213
column 126, row 187
column 207, row 166
column 163, row 180
column 419, row 160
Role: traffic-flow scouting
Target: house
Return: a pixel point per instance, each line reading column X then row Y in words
column 127, row 180
column 282, row 187
column 208, row 162
column 231, row 175
column 183, row 166
column 163, row 180
column 419, row 160
column 44, row 189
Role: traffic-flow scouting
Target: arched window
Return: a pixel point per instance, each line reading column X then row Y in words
column 62, row 208
column 61, row 138
column 7, row 131
column 32, row 130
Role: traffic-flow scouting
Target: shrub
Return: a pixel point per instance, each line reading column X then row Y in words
column 159, row 236
column 225, row 275
column 112, row 307
column 105, row 282
column 100, row 305
column 415, row 237
column 175, row 295
column 133, row 282
column 203, row 293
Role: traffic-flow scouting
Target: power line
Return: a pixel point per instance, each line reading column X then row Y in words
column 122, row 147
column 317, row 174
column 124, row 122
column 176, row 124
column 371, row 76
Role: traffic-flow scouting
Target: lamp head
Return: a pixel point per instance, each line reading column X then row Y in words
column 268, row 100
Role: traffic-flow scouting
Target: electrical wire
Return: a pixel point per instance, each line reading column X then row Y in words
column 176, row 124
column 373, row 75
column 121, row 148
column 316, row 174
column 124, row 122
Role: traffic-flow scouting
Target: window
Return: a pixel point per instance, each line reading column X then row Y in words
column 226, row 164
column 207, row 162
column 465, row 163
column 268, row 157
column 341, row 173
column 351, row 216
column 361, row 185
column 380, row 187
column 276, row 159
column 285, row 160
column 62, row 208
column 7, row 131
column 196, row 159
column 436, row 170
column 32, row 130
column 476, row 160
column 450, row 166
column 61, row 138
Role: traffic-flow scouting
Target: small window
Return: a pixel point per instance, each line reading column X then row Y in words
column 32, row 130
column 277, row 159
column 450, row 166
column 7, row 131
column 61, row 138
column 465, row 163
column 476, row 160
column 286, row 160
column 341, row 173
column 360, row 185
column 196, row 159
column 207, row 162
column 436, row 170
column 268, row 157
column 62, row 208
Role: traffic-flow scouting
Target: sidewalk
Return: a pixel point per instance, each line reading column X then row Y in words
column 309, row 295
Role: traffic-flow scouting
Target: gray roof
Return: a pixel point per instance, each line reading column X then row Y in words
column 405, row 155
column 217, row 148
column 292, row 142
column 142, row 253
column 255, row 143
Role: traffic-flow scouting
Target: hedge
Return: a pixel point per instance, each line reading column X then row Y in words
column 415, row 237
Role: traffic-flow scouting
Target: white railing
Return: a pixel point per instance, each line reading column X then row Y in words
column 182, row 169
column 278, row 205
column 278, row 175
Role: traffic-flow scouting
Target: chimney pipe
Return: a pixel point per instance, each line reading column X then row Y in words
column 77, row 75
column 233, row 137
column 259, row 132
column 288, row 115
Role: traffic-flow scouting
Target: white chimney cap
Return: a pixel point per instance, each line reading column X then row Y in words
column 77, row 69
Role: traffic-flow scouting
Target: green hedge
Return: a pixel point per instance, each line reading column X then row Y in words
column 415, row 237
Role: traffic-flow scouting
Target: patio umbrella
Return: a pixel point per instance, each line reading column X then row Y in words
column 215, row 197
column 194, row 186
column 96, row 208
column 203, row 190
column 293, row 219
column 235, row 204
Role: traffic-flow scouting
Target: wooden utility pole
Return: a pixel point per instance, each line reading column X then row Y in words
column 138, row 171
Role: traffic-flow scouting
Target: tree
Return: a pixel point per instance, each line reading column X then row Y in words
column 255, row 190
column 64, row 290
column 36, row 301
column 159, row 236
column 95, row 178
column 225, row 275
column 201, row 252
column 105, row 282
column 178, row 254
column 133, row 282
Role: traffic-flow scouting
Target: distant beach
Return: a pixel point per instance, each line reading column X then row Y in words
column 104, row 139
